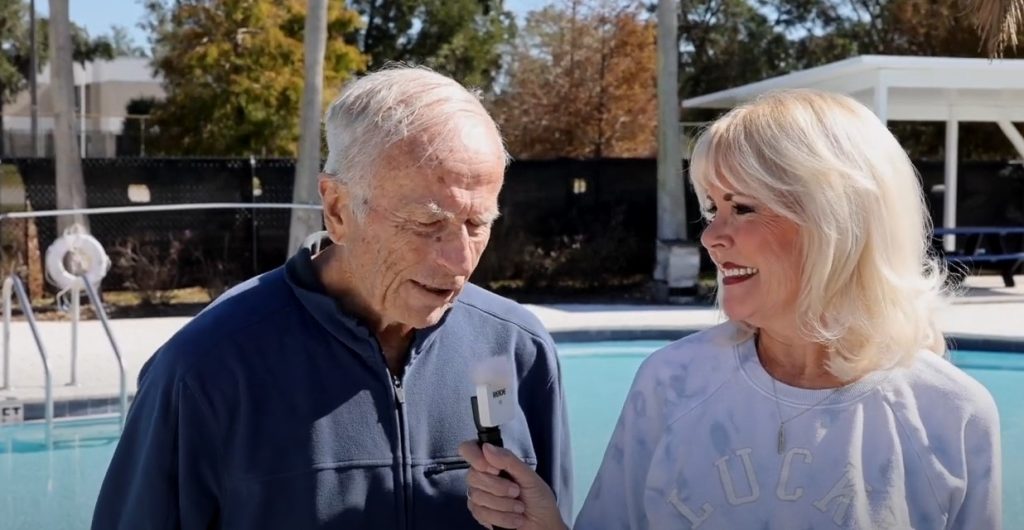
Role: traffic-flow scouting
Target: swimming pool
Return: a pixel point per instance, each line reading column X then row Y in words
column 56, row 489
column 53, row 489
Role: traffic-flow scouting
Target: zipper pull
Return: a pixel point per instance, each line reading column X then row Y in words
column 399, row 391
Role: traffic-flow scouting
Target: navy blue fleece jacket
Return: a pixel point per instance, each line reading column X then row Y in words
column 274, row 409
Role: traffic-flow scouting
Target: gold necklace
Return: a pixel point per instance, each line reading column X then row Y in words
column 782, row 423
column 781, row 436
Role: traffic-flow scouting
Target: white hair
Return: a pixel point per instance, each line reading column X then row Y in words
column 381, row 109
column 869, row 286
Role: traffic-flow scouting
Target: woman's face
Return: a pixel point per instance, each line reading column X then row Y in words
column 758, row 256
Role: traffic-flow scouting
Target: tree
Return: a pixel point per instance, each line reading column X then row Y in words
column 13, row 56
column 906, row 27
column 232, row 70
column 726, row 43
column 15, row 49
column 122, row 43
column 305, row 190
column 460, row 38
column 70, row 185
column 85, row 49
column 135, row 127
column 581, row 83
column 998, row 22
column 835, row 29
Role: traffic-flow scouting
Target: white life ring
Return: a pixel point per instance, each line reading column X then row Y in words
column 93, row 262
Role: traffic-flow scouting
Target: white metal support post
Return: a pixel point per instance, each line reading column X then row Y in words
column 949, row 196
column 880, row 98
column 1013, row 135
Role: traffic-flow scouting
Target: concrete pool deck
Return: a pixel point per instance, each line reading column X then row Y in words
column 987, row 314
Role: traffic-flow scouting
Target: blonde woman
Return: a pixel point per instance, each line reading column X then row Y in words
column 826, row 400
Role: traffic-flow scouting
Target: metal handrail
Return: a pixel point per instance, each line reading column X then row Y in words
column 91, row 292
column 161, row 208
column 14, row 281
column 101, row 313
column 6, row 293
column 76, row 296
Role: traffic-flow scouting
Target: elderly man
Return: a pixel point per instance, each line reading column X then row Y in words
column 333, row 392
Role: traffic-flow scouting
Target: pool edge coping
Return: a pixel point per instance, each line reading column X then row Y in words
column 957, row 341
column 97, row 405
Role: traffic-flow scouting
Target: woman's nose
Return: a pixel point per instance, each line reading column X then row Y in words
column 716, row 235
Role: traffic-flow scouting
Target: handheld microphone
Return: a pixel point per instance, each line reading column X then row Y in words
column 493, row 403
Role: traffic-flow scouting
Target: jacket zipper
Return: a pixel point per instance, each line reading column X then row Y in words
column 400, row 408
column 437, row 469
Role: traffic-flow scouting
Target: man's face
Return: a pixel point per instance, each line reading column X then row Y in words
column 427, row 222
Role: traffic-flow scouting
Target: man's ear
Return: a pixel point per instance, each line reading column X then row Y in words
column 337, row 212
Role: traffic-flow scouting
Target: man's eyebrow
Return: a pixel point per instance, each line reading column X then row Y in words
column 488, row 217
column 435, row 211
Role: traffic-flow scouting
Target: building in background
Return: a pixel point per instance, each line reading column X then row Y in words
column 106, row 87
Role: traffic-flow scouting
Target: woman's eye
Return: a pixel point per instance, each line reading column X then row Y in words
column 742, row 209
column 709, row 213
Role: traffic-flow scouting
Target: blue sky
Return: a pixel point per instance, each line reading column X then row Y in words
column 99, row 15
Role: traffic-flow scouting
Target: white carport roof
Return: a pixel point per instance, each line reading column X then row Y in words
column 902, row 88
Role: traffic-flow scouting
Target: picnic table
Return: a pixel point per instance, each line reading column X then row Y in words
column 1001, row 247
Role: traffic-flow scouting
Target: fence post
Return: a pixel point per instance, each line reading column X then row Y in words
column 252, row 198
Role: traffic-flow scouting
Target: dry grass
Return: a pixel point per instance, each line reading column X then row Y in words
column 125, row 304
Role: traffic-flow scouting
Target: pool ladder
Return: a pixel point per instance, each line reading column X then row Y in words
column 14, row 283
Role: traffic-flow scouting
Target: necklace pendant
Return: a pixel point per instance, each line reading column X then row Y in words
column 782, row 439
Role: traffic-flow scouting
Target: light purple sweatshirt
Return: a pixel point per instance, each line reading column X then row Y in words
column 696, row 446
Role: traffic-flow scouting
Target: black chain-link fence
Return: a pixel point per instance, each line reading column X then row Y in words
column 567, row 226
column 155, row 251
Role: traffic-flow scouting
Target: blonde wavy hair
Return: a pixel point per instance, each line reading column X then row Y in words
column 869, row 286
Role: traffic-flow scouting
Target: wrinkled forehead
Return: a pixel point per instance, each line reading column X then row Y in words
column 467, row 135
column 471, row 136
column 463, row 165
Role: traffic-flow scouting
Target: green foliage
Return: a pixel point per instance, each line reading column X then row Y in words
column 122, row 43
column 15, row 47
column 460, row 38
column 85, row 49
column 137, row 129
column 908, row 27
column 233, row 73
column 13, row 44
column 727, row 43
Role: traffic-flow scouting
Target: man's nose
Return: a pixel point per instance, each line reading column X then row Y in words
column 455, row 252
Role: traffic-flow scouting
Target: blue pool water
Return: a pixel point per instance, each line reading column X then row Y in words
column 56, row 489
